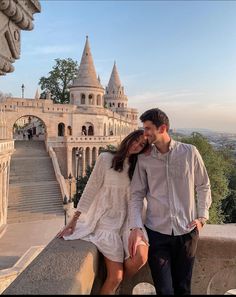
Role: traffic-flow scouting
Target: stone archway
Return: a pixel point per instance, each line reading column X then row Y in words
column 29, row 127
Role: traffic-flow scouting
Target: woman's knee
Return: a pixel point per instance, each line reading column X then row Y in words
column 115, row 279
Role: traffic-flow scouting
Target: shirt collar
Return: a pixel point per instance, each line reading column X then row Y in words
column 155, row 150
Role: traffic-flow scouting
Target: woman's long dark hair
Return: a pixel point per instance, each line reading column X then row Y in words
column 122, row 151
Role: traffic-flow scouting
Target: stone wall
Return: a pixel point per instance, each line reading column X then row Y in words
column 76, row 267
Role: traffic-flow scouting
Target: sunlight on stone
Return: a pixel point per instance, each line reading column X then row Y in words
column 144, row 289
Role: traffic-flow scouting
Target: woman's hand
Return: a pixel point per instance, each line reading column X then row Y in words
column 68, row 229
column 136, row 235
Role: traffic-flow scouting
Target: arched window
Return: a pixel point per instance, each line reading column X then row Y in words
column 90, row 130
column 82, row 98
column 69, row 130
column 84, row 131
column 91, row 101
column 61, row 129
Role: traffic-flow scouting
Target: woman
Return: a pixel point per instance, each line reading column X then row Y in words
column 102, row 211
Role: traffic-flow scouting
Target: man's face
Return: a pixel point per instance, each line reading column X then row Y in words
column 151, row 132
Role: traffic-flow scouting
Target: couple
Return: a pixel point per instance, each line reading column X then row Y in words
column 167, row 173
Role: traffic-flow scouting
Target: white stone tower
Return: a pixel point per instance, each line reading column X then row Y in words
column 86, row 89
column 115, row 96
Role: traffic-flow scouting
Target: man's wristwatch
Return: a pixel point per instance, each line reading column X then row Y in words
column 131, row 229
column 202, row 221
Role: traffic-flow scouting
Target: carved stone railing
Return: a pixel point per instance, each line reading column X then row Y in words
column 76, row 267
column 6, row 146
column 6, row 150
column 14, row 17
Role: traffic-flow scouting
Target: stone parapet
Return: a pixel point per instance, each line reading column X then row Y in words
column 75, row 267
column 63, row 268
column 14, row 17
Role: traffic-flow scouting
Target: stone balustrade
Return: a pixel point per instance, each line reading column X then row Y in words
column 6, row 146
column 6, row 150
column 99, row 139
column 76, row 267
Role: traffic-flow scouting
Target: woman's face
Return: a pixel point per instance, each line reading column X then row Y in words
column 137, row 145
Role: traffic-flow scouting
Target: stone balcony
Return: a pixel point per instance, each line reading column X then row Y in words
column 76, row 267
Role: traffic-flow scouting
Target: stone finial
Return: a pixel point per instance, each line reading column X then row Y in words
column 37, row 95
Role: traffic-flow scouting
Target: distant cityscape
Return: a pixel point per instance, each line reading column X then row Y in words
column 217, row 139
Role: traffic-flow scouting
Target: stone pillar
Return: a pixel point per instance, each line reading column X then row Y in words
column 97, row 153
column 83, row 162
column 1, row 196
column 90, row 156
column 69, row 160
column 4, row 192
column 14, row 17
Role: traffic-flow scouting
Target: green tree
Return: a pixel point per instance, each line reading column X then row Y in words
column 229, row 203
column 59, row 79
column 82, row 181
column 218, row 170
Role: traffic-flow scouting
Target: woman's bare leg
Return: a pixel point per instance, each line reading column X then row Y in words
column 132, row 265
column 114, row 277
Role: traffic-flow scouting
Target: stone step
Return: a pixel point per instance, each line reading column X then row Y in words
column 38, row 208
column 39, row 197
column 28, row 218
column 34, row 192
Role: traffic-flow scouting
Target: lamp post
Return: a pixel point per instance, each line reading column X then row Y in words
column 23, row 90
column 78, row 156
column 65, row 207
column 70, row 182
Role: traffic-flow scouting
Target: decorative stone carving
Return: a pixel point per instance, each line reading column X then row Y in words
column 15, row 16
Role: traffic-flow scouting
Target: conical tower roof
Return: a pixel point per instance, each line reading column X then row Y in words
column 114, row 82
column 86, row 76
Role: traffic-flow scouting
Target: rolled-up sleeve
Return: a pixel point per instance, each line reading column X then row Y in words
column 202, row 185
column 138, row 189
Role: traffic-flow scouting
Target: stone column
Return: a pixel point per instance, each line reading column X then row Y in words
column 90, row 156
column 83, row 163
column 1, row 195
column 4, row 190
column 69, row 160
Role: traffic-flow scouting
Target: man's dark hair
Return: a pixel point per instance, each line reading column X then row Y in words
column 157, row 116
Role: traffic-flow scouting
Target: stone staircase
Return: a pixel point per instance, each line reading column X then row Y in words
column 34, row 193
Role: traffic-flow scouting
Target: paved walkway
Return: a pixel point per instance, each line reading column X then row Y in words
column 19, row 237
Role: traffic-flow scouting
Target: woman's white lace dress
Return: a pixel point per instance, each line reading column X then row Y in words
column 104, row 210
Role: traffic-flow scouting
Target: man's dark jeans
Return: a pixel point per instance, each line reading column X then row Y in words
column 171, row 260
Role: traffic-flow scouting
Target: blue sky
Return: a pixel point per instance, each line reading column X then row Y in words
column 179, row 56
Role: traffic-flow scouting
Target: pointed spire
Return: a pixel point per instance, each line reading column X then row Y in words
column 114, row 82
column 99, row 79
column 87, row 76
column 37, row 95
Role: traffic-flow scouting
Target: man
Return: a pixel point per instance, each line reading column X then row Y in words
column 169, row 176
